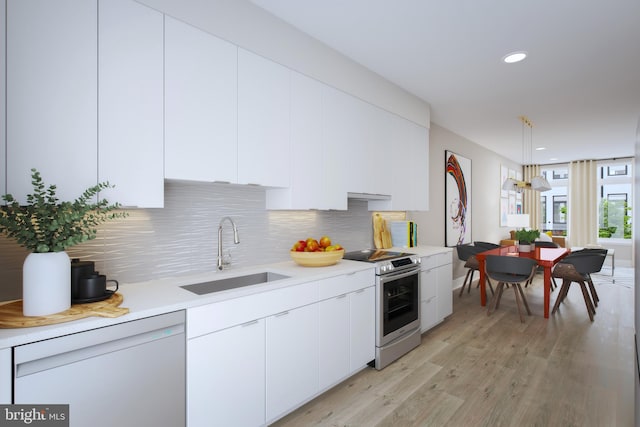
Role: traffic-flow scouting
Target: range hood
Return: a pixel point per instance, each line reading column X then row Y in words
column 368, row 196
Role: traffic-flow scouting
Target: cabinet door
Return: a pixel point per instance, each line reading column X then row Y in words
column 362, row 327
column 130, row 108
column 334, row 340
column 410, row 165
column 429, row 315
column 343, row 138
column 52, row 95
column 201, row 104
column 226, row 377
column 263, row 121
column 307, row 189
column 445, row 293
column 292, row 359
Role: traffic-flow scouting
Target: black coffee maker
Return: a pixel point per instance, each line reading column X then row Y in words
column 87, row 285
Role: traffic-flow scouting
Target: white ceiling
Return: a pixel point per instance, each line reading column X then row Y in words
column 580, row 85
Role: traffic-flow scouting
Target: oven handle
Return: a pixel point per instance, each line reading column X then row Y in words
column 399, row 275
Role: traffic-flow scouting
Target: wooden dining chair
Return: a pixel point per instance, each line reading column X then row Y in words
column 510, row 270
column 577, row 268
column 486, row 245
column 467, row 253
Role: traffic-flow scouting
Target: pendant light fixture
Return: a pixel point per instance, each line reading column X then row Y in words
column 538, row 182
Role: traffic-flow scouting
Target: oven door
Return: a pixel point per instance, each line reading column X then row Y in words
column 398, row 300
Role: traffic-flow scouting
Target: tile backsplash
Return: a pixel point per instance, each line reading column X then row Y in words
column 182, row 237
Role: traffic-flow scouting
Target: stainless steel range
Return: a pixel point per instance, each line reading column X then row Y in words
column 397, row 302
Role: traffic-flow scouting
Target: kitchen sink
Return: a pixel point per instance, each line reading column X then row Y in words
column 233, row 282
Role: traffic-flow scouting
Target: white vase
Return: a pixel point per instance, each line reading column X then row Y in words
column 46, row 283
column 524, row 248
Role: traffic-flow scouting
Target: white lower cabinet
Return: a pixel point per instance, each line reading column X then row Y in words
column 334, row 340
column 445, row 292
column 251, row 360
column 428, row 299
column 436, row 297
column 226, row 377
column 292, row 359
column 362, row 320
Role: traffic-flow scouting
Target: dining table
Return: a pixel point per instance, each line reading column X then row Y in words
column 544, row 257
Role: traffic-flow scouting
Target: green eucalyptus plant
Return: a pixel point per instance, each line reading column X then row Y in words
column 45, row 224
column 527, row 236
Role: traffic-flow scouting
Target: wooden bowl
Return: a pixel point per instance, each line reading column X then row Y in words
column 317, row 259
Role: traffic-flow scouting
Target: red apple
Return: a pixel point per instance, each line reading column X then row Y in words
column 325, row 241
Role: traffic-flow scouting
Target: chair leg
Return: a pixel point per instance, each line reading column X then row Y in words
column 470, row 281
column 490, row 286
column 594, row 294
column 518, row 302
column 563, row 291
column 499, row 293
column 465, row 282
column 524, row 299
column 495, row 300
column 587, row 300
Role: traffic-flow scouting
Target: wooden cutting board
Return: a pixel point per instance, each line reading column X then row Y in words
column 11, row 313
column 381, row 233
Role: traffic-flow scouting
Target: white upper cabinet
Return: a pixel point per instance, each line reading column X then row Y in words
column 201, row 105
column 263, row 121
column 130, row 104
column 309, row 166
column 51, row 95
column 407, row 166
column 342, row 137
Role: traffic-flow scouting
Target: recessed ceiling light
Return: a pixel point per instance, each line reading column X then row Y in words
column 540, row 148
column 512, row 57
column 553, row 159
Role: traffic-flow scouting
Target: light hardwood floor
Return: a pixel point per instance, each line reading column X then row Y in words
column 479, row 370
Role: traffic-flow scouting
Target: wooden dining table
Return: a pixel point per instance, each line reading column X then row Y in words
column 545, row 257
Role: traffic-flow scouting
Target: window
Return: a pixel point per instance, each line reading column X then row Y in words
column 615, row 199
column 559, row 209
column 554, row 202
column 617, row 170
column 560, row 173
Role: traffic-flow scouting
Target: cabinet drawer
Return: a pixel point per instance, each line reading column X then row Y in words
column 334, row 286
column 436, row 260
column 220, row 315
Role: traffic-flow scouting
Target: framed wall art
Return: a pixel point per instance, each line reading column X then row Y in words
column 457, row 199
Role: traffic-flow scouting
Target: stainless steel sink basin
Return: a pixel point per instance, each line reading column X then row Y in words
column 233, row 282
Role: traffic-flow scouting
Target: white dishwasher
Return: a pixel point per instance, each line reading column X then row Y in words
column 129, row 374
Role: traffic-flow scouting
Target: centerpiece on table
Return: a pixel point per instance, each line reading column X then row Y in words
column 47, row 227
column 526, row 238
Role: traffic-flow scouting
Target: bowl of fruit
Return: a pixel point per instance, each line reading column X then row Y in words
column 316, row 253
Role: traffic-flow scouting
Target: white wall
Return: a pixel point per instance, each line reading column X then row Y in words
column 250, row 27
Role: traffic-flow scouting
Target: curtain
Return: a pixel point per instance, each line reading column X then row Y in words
column 582, row 205
column 532, row 205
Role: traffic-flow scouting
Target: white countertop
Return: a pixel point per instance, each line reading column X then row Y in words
column 159, row 296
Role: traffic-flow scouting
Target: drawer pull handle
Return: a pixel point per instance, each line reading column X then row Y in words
column 341, row 296
column 253, row 322
column 284, row 313
column 359, row 291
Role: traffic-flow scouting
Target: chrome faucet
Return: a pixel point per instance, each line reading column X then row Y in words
column 236, row 240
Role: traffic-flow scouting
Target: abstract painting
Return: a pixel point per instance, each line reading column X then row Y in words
column 457, row 199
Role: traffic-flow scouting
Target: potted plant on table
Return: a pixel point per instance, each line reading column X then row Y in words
column 526, row 238
column 47, row 227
